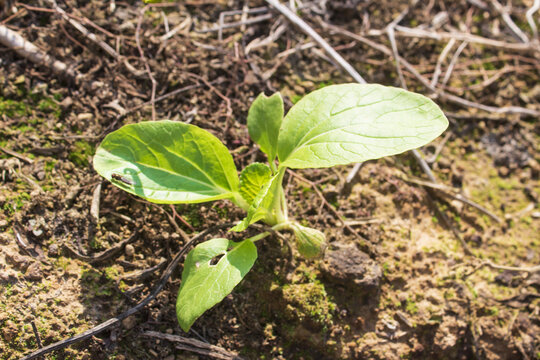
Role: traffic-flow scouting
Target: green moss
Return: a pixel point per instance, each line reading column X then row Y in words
column 97, row 284
column 309, row 302
column 15, row 203
column 222, row 211
column 324, row 84
column 81, row 152
column 191, row 213
column 111, row 273
column 296, row 98
column 411, row 306
column 48, row 105
column 12, row 108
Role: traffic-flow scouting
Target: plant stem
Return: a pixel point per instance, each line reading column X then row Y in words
column 259, row 236
column 239, row 201
column 281, row 226
column 278, row 208
column 273, row 166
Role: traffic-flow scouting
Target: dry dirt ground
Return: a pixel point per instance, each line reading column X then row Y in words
column 396, row 281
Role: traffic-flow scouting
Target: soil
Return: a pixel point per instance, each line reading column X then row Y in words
column 402, row 286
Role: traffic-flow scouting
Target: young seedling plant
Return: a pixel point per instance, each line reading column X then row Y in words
column 170, row 162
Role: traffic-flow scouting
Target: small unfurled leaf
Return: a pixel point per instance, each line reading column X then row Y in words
column 252, row 179
column 204, row 283
column 309, row 242
column 342, row 124
column 167, row 162
column 261, row 207
column 264, row 119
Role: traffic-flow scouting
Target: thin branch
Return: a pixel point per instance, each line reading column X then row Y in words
column 461, row 36
column 105, row 255
column 318, row 39
column 194, row 345
column 27, row 50
column 451, row 192
column 116, row 320
column 143, row 58
column 254, row 20
column 368, row 245
column 529, row 15
column 440, row 60
column 438, row 92
column 391, row 36
column 453, row 62
column 509, row 22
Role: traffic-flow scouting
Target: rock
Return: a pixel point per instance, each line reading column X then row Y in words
column 18, row 261
column 3, row 223
column 508, row 278
column 4, row 238
column 347, row 265
column 34, row 271
column 129, row 322
column 53, row 250
column 434, row 296
column 444, row 163
column 130, row 250
column 9, row 331
column 448, row 334
column 66, row 103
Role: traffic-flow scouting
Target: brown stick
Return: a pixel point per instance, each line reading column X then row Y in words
column 27, row 50
column 117, row 319
column 194, row 345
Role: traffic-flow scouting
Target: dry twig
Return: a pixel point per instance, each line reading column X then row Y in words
column 454, row 194
column 334, row 55
column 117, row 319
column 194, row 345
column 105, row 255
column 27, row 50
column 437, row 92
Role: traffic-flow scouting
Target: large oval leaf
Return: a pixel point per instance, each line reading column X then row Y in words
column 342, row 124
column 204, row 284
column 167, row 162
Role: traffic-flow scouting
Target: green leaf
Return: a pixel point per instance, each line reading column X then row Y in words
column 342, row 124
column 309, row 242
column 262, row 205
column 167, row 162
column 252, row 179
column 205, row 284
column 264, row 119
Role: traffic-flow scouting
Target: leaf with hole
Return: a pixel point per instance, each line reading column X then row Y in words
column 204, row 283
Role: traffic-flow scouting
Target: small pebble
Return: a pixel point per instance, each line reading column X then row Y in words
column 129, row 322
column 130, row 250
column 504, row 171
column 53, row 250
column 85, row 116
